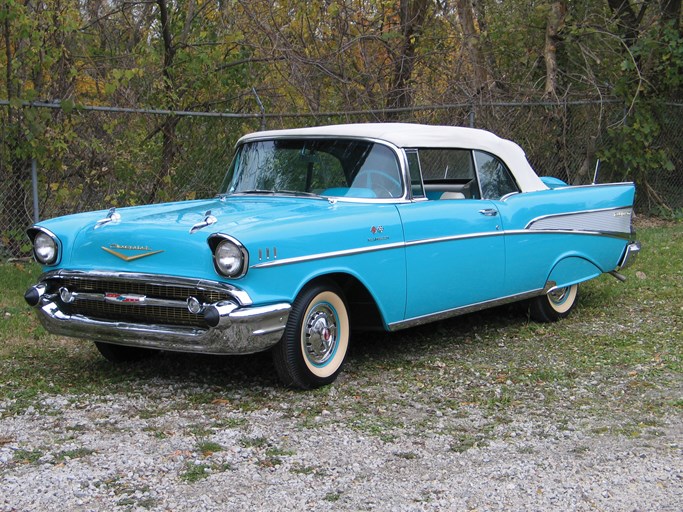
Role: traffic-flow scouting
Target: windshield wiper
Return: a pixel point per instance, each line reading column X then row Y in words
column 296, row 193
column 255, row 191
column 272, row 193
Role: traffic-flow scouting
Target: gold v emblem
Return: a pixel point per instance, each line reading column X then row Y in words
column 129, row 258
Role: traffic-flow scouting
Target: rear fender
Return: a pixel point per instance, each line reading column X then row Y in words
column 572, row 270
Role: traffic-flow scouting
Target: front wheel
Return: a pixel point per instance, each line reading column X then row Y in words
column 554, row 305
column 316, row 339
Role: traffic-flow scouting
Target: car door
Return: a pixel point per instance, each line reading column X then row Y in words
column 455, row 251
column 455, row 254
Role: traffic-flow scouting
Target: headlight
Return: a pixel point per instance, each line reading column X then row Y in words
column 230, row 257
column 45, row 248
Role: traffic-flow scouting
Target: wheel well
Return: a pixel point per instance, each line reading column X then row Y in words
column 363, row 310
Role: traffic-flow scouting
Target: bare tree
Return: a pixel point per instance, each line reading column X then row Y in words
column 467, row 18
column 555, row 21
column 412, row 14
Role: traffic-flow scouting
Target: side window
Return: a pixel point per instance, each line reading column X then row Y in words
column 446, row 164
column 448, row 173
column 494, row 177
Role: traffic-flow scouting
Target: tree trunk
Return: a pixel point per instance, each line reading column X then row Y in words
column 466, row 18
column 554, row 24
column 629, row 21
column 168, row 133
column 412, row 16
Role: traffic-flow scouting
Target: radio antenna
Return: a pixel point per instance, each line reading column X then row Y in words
column 595, row 175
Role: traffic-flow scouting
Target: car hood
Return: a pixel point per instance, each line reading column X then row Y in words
column 158, row 238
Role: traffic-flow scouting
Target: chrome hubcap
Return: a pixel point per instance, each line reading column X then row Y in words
column 558, row 296
column 320, row 334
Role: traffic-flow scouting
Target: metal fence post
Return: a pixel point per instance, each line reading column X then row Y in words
column 471, row 116
column 34, row 186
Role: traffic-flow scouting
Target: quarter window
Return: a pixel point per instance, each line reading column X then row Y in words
column 494, row 177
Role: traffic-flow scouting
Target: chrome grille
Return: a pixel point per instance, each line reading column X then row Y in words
column 139, row 314
column 144, row 314
column 160, row 291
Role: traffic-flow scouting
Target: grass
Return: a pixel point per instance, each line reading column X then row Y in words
column 615, row 363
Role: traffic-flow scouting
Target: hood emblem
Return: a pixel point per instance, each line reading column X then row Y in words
column 208, row 220
column 133, row 257
column 112, row 216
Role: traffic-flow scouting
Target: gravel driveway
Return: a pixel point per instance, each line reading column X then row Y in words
column 163, row 443
column 483, row 412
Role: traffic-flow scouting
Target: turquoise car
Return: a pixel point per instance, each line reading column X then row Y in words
column 319, row 231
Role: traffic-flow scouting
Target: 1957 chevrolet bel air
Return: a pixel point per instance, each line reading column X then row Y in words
column 318, row 231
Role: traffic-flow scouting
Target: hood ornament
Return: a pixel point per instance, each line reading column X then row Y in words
column 208, row 220
column 112, row 216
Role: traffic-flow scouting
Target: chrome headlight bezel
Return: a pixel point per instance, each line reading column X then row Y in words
column 47, row 249
column 230, row 257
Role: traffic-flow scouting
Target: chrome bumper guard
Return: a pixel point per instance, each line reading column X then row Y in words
column 231, row 329
column 630, row 255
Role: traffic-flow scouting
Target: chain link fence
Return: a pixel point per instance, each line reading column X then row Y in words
column 94, row 157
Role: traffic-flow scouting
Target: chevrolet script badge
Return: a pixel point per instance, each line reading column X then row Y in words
column 133, row 257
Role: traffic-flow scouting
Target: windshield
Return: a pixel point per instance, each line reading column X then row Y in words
column 326, row 167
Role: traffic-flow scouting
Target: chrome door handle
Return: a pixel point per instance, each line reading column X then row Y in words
column 489, row 212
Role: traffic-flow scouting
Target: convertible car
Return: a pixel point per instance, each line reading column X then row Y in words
column 319, row 231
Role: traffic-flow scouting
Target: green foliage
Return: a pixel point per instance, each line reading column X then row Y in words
column 651, row 70
column 654, row 66
column 299, row 57
column 632, row 152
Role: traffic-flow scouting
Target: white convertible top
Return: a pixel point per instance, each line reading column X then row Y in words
column 407, row 135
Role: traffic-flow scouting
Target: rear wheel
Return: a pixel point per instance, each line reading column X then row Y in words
column 554, row 305
column 316, row 339
column 122, row 353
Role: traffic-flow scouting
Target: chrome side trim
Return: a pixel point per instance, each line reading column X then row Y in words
column 327, row 255
column 471, row 308
column 426, row 241
column 624, row 236
column 593, row 185
column 240, row 296
column 508, row 195
column 247, row 330
column 363, row 250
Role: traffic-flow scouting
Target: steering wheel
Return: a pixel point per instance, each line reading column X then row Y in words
column 382, row 183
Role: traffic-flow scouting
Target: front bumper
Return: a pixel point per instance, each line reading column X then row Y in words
column 228, row 328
